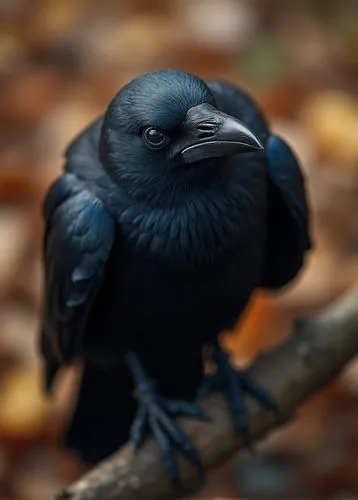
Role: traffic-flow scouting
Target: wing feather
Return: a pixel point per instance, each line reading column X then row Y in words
column 78, row 241
column 288, row 232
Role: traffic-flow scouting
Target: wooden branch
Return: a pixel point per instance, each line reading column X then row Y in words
column 318, row 349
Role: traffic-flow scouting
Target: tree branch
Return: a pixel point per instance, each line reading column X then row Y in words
column 317, row 351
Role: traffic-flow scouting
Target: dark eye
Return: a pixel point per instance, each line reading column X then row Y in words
column 154, row 137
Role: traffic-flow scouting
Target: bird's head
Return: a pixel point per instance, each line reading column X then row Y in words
column 165, row 125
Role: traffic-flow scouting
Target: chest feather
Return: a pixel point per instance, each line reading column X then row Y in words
column 196, row 233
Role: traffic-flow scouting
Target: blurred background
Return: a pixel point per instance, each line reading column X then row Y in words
column 61, row 61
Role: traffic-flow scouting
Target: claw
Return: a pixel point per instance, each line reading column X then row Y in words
column 190, row 452
column 183, row 444
column 156, row 414
column 139, row 427
column 257, row 392
column 238, row 408
column 166, row 449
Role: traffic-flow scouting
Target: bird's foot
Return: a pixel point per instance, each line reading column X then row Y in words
column 156, row 414
column 235, row 384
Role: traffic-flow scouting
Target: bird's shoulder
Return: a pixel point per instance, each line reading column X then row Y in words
column 82, row 155
column 76, row 216
column 83, row 162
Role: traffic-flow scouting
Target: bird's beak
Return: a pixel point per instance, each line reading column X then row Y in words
column 209, row 133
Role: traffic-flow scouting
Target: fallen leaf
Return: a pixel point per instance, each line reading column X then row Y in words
column 23, row 406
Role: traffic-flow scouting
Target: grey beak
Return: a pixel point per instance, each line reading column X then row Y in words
column 210, row 133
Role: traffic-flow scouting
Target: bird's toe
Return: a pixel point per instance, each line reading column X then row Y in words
column 256, row 391
column 185, row 408
column 211, row 383
column 235, row 384
column 163, row 440
column 237, row 405
column 139, row 427
column 156, row 415
column 183, row 444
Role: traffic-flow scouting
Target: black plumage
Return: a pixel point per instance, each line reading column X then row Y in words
column 171, row 210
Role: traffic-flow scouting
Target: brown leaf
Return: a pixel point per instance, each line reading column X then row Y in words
column 14, row 234
column 28, row 95
column 23, row 407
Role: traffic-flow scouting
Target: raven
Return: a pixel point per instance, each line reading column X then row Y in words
column 172, row 208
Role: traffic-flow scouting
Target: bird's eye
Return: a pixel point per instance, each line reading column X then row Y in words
column 154, row 137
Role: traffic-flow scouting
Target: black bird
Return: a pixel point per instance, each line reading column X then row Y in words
column 172, row 208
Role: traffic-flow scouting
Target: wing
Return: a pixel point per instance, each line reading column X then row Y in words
column 288, row 236
column 78, row 242
column 234, row 101
column 82, row 155
column 288, row 224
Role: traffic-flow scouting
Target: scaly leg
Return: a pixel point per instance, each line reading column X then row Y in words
column 155, row 414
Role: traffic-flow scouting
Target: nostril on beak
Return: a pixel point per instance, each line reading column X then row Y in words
column 205, row 135
column 206, row 130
